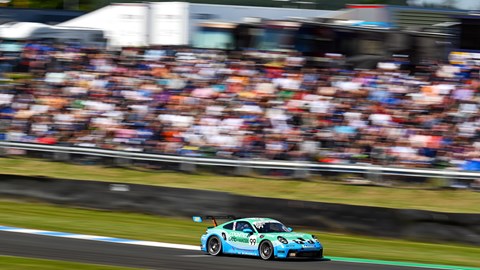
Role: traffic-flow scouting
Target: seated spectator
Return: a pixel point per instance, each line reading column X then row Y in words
column 205, row 104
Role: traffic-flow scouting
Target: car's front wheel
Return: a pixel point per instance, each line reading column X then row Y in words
column 214, row 246
column 266, row 250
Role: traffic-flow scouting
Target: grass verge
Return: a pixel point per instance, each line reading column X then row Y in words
column 15, row 263
column 184, row 231
column 459, row 201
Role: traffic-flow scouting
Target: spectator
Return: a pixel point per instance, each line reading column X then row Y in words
column 201, row 103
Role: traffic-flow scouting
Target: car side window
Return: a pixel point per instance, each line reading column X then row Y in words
column 228, row 226
column 241, row 225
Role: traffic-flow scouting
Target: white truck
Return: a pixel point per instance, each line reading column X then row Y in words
column 13, row 35
column 172, row 23
column 124, row 25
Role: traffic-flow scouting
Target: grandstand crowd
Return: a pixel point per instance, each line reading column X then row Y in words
column 205, row 103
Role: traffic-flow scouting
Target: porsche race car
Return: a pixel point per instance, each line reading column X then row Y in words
column 263, row 237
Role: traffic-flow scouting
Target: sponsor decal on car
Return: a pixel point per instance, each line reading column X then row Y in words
column 308, row 246
column 239, row 237
column 259, row 224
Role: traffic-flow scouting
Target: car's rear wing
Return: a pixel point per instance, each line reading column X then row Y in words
column 213, row 218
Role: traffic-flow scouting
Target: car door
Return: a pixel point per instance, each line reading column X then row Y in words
column 243, row 239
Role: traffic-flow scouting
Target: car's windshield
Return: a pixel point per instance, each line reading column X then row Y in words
column 270, row 227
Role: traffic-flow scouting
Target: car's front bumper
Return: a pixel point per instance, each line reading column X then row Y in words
column 297, row 250
column 307, row 254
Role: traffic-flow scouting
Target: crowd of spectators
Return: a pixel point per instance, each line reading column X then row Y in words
column 205, row 103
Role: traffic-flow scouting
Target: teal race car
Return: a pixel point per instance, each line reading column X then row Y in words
column 263, row 237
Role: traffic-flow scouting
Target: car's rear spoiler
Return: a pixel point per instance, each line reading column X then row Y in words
column 213, row 218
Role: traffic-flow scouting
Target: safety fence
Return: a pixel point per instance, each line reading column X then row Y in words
column 299, row 169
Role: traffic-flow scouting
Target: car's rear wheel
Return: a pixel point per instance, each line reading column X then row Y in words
column 214, row 246
column 266, row 250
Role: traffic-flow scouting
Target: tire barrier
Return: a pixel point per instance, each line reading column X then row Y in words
column 410, row 224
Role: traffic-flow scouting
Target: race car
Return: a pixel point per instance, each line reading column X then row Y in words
column 263, row 237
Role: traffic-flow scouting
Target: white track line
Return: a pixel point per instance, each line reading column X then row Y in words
column 99, row 238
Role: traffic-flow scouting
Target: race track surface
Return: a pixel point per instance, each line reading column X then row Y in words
column 48, row 247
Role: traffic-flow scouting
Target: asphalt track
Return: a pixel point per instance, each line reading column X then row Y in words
column 77, row 250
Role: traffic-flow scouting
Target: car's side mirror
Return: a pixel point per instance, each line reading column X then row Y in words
column 290, row 229
column 249, row 231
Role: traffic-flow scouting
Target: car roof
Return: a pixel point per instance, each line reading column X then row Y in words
column 257, row 219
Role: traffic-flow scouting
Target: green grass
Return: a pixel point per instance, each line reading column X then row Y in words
column 15, row 263
column 184, row 231
column 460, row 201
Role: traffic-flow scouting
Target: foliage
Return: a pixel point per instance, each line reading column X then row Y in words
column 92, row 4
column 448, row 4
column 58, row 4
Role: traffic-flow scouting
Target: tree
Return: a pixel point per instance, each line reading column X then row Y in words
column 95, row 4
column 451, row 4
column 55, row 4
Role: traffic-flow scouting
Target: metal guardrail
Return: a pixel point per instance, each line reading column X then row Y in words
column 254, row 164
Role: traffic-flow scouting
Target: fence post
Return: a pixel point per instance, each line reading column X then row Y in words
column 242, row 170
column 374, row 175
column 122, row 162
column 60, row 156
column 188, row 167
column 302, row 172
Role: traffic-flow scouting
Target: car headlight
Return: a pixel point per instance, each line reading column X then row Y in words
column 282, row 240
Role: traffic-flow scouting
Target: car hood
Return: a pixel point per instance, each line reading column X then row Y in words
column 292, row 236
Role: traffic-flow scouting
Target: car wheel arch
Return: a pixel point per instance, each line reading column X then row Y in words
column 221, row 242
column 272, row 246
column 220, row 237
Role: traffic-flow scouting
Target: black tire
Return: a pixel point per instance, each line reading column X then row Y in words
column 214, row 246
column 266, row 250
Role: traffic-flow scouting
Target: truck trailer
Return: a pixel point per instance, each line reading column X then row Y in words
column 172, row 23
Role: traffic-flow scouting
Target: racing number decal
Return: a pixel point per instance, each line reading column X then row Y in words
column 252, row 240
